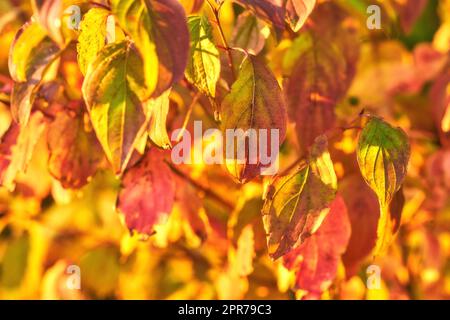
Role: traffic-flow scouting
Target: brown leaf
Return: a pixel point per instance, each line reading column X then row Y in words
column 74, row 153
column 147, row 193
column 316, row 260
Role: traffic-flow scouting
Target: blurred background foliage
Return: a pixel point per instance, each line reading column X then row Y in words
column 206, row 250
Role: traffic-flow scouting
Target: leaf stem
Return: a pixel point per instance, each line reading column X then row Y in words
column 188, row 116
column 207, row 191
column 216, row 12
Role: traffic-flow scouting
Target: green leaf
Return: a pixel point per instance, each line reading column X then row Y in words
column 156, row 110
column 92, row 36
column 31, row 53
column 254, row 102
column 203, row 69
column 296, row 204
column 113, row 90
column 383, row 154
column 159, row 29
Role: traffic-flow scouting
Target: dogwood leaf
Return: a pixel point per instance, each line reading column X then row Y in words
column 296, row 204
column 383, row 154
column 113, row 90
column 74, row 153
column 147, row 193
column 31, row 52
column 156, row 110
column 160, row 32
column 92, row 36
column 316, row 261
column 255, row 102
column 203, row 68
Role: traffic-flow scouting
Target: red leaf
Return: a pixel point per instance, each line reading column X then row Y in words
column 316, row 260
column 363, row 212
column 147, row 192
column 74, row 153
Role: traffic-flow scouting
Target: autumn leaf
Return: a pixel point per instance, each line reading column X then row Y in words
column 92, row 36
column 255, row 102
column 75, row 154
column 30, row 55
column 203, row 68
column 49, row 13
column 317, row 83
column 383, row 154
column 316, row 261
column 156, row 111
column 16, row 148
column 440, row 101
column 147, row 193
column 160, row 32
column 113, row 90
column 409, row 11
column 296, row 204
column 294, row 12
column 250, row 33
column 297, row 11
column 363, row 211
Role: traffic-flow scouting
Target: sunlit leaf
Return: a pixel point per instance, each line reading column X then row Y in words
column 30, row 55
column 383, row 155
column 294, row 12
column 255, row 102
column 250, row 33
column 203, row 69
column 49, row 14
column 156, row 111
column 92, row 36
column 297, row 11
column 147, row 193
column 113, row 90
column 296, row 204
column 160, row 31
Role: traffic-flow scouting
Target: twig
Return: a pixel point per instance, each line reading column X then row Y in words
column 188, row 116
column 208, row 192
column 331, row 134
column 216, row 12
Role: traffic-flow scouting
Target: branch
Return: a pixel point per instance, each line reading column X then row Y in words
column 225, row 46
column 207, row 191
